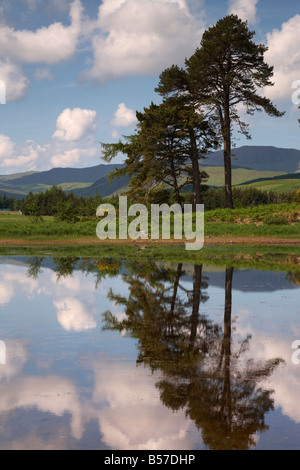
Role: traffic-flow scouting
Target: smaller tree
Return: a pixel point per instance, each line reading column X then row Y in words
column 165, row 152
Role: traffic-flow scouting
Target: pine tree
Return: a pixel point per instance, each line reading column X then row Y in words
column 227, row 69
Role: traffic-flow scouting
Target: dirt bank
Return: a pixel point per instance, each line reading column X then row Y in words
column 208, row 241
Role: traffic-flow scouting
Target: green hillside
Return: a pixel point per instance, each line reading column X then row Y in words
column 266, row 168
column 16, row 176
column 69, row 179
column 239, row 175
column 104, row 188
column 22, row 191
column 260, row 158
column 281, row 183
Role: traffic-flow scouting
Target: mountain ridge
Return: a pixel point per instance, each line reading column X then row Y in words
column 89, row 180
column 260, row 158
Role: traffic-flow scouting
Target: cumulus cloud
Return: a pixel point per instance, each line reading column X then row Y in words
column 72, row 314
column 47, row 45
column 245, row 9
column 128, row 37
column 73, row 157
column 50, row 394
column 6, row 146
column 284, row 55
column 141, row 37
column 74, row 124
column 123, row 117
column 16, row 82
column 50, row 44
column 73, row 143
column 19, row 158
column 128, row 421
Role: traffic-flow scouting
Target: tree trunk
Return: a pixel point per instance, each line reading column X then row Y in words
column 176, row 284
column 195, row 171
column 197, row 279
column 227, row 158
column 226, row 406
column 175, row 183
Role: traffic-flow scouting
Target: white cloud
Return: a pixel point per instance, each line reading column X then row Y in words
column 74, row 124
column 284, row 55
column 16, row 82
column 6, row 293
column 70, row 158
column 50, row 45
column 6, row 146
column 73, row 144
column 73, row 314
column 244, row 9
column 124, row 117
column 48, row 394
column 142, row 37
column 47, row 45
column 15, row 158
column 74, row 139
column 128, row 37
column 133, row 416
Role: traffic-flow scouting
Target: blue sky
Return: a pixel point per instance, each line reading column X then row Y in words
column 77, row 71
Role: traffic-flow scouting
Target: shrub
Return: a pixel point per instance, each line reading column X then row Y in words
column 275, row 219
column 67, row 212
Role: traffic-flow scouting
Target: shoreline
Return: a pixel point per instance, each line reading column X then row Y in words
column 210, row 240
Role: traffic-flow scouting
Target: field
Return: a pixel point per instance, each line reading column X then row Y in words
column 266, row 221
column 278, row 185
column 239, row 175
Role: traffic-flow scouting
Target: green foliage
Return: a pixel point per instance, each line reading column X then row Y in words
column 10, row 203
column 214, row 198
column 65, row 207
column 165, row 151
column 276, row 219
column 67, row 211
column 227, row 69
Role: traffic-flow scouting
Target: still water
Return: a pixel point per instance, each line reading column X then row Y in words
column 99, row 354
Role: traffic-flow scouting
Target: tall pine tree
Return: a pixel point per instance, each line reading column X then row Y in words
column 227, row 69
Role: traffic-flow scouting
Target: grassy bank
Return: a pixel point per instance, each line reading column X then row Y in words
column 273, row 258
column 273, row 221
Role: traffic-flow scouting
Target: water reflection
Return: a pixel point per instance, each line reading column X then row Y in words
column 209, row 371
column 203, row 373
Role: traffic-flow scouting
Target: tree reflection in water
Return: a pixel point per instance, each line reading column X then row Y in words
column 203, row 371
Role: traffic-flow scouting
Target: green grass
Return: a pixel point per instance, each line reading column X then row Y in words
column 281, row 186
column 239, row 175
column 253, row 214
column 14, row 225
column 23, row 190
column 274, row 220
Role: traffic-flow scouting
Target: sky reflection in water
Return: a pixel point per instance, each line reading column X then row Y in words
column 123, row 356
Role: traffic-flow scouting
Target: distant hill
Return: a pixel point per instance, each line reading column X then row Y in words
column 103, row 187
column 65, row 175
column 259, row 158
column 250, row 164
column 19, row 185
